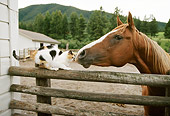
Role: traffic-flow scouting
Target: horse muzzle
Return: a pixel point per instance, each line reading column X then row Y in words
column 82, row 59
column 86, row 65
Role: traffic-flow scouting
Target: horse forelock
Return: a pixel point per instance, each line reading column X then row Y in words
column 121, row 27
column 160, row 59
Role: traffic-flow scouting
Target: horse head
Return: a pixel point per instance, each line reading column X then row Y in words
column 113, row 49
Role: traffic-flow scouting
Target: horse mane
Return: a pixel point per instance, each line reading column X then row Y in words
column 161, row 59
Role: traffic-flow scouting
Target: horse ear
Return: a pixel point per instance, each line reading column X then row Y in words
column 130, row 20
column 119, row 22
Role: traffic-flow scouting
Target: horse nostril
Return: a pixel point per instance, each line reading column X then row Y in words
column 82, row 54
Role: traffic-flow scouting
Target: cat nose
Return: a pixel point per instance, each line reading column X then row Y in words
column 82, row 54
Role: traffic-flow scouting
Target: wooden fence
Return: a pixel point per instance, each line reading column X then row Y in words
column 44, row 92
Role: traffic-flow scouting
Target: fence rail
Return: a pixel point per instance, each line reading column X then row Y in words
column 94, row 76
column 89, row 96
column 51, row 109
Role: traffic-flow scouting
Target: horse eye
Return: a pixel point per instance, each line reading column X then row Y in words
column 118, row 37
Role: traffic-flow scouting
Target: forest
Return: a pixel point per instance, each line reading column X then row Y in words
column 78, row 27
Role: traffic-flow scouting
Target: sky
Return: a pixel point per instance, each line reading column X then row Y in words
column 160, row 9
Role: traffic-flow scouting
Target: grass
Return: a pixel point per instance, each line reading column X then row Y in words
column 162, row 41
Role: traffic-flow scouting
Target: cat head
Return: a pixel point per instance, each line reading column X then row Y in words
column 71, row 55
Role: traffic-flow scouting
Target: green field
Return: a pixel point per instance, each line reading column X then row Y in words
column 162, row 41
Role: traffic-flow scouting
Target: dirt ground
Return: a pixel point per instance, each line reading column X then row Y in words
column 90, row 87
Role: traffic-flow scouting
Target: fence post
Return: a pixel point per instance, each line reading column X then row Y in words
column 43, row 99
column 67, row 46
column 167, row 94
column 24, row 53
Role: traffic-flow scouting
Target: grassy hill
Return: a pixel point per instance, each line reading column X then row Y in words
column 30, row 12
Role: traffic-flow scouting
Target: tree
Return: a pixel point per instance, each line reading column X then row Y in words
column 94, row 26
column 56, row 24
column 73, row 24
column 53, row 22
column 104, row 20
column 153, row 27
column 113, row 22
column 137, row 23
column 38, row 23
column 144, row 27
column 30, row 26
column 167, row 30
column 113, row 19
column 47, row 19
column 22, row 25
column 81, row 27
column 117, row 11
column 97, row 25
column 65, row 26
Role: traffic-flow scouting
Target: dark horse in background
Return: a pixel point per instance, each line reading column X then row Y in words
column 125, row 44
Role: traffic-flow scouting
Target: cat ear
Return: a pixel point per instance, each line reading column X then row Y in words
column 60, row 52
column 70, row 52
column 41, row 58
column 41, row 48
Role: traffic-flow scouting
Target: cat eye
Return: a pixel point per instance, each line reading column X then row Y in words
column 118, row 37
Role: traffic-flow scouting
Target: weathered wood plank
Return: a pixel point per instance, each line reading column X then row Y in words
column 51, row 109
column 95, row 76
column 43, row 99
column 89, row 96
column 17, row 114
column 167, row 94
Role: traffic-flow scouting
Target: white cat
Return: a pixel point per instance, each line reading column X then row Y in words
column 61, row 60
column 52, row 58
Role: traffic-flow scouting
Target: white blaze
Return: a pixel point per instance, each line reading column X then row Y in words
column 95, row 42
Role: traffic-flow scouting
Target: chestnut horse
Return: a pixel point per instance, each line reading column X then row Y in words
column 125, row 44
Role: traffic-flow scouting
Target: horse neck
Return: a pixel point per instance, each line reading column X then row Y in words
column 149, row 57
